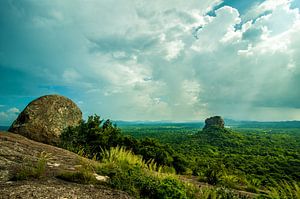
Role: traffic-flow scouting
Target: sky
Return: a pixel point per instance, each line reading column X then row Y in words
column 172, row 60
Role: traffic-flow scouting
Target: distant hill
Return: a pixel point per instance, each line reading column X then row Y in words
column 159, row 123
column 200, row 124
column 257, row 124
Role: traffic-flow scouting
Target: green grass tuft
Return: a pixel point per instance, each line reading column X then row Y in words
column 36, row 171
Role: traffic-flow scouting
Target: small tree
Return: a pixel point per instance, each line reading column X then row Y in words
column 91, row 136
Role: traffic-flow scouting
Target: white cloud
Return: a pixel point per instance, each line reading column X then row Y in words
column 266, row 6
column 163, row 60
column 70, row 75
column 8, row 115
column 173, row 49
column 13, row 110
column 219, row 29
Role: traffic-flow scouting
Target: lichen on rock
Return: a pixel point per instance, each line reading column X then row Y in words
column 44, row 119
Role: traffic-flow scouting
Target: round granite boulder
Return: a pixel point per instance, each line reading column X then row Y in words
column 214, row 122
column 45, row 118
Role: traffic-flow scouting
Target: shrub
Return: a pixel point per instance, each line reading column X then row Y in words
column 171, row 188
column 120, row 155
column 91, row 136
column 212, row 175
column 130, row 173
column 229, row 181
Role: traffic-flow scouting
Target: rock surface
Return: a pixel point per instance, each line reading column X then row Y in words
column 17, row 151
column 44, row 119
column 214, row 122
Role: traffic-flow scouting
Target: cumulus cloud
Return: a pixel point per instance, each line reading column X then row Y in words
column 158, row 60
column 8, row 115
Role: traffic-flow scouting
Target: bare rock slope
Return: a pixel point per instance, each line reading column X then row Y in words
column 44, row 119
column 16, row 151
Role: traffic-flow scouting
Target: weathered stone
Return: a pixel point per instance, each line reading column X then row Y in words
column 18, row 152
column 44, row 119
column 215, row 121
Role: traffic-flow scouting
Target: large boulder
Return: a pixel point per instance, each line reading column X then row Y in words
column 44, row 119
column 214, row 122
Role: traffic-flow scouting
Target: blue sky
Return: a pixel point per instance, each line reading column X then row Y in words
column 158, row 60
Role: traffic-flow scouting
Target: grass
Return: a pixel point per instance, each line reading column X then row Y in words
column 80, row 177
column 120, row 155
column 36, row 171
column 130, row 173
column 84, row 173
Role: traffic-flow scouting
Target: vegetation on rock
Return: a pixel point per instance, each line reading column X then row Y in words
column 93, row 136
column 45, row 118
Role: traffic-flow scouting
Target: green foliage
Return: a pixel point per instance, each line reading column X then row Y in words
column 219, row 193
column 253, row 158
column 267, row 156
column 84, row 173
column 23, row 173
column 284, row 190
column 249, row 160
column 120, row 155
column 80, row 177
column 229, row 181
column 212, row 174
column 171, row 188
column 132, row 174
column 91, row 136
column 152, row 149
column 251, row 188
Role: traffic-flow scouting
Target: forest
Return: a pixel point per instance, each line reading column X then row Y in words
column 237, row 162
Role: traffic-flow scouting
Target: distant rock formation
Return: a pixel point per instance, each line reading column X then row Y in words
column 44, row 119
column 214, row 122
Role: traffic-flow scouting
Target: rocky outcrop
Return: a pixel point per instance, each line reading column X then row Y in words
column 214, row 122
column 44, row 119
column 18, row 152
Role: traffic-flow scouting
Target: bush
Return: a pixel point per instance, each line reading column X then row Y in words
column 91, row 136
column 120, row 155
column 171, row 188
column 212, row 175
column 130, row 173
column 229, row 181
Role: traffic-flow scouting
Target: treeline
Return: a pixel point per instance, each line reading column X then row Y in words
column 254, row 161
column 93, row 136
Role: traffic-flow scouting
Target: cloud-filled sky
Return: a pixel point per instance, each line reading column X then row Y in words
column 153, row 60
